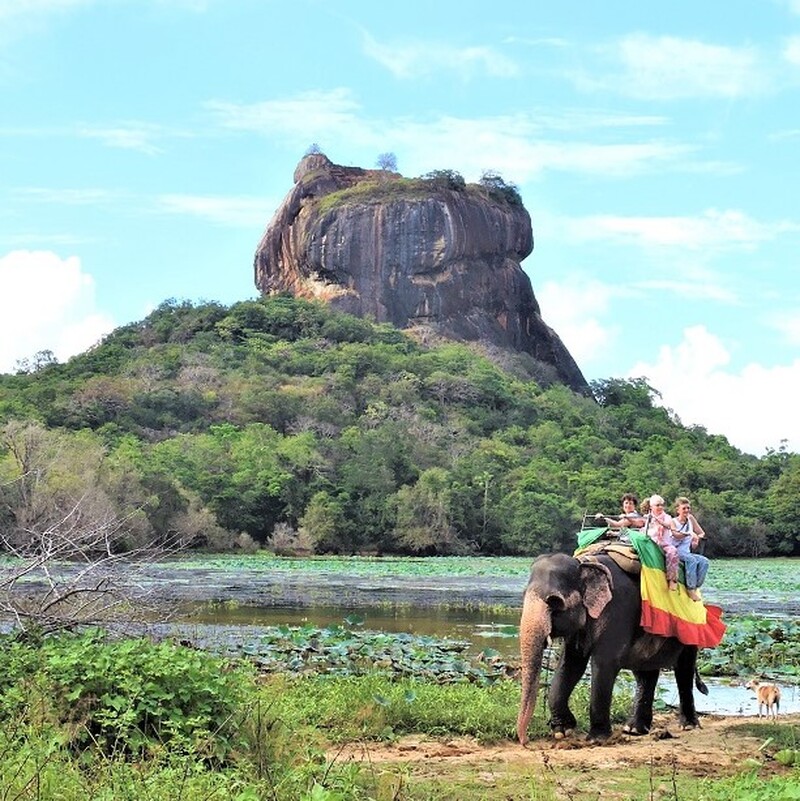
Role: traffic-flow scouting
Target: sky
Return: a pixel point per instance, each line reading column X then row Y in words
column 145, row 145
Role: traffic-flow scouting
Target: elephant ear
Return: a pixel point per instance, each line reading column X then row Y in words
column 597, row 586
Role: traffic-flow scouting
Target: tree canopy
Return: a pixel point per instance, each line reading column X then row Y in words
column 223, row 423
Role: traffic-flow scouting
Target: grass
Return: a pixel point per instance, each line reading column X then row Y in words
column 289, row 728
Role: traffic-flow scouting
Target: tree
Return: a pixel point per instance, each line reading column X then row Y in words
column 73, row 573
column 37, row 362
column 76, row 556
column 784, row 504
column 387, row 162
column 324, row 523
column 500, row 189
column 424, row 516
column 446, row 179
column 634, row 392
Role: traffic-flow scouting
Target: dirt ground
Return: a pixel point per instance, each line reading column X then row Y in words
column 722, row 746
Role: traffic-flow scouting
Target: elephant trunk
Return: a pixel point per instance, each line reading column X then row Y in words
column 534, row 629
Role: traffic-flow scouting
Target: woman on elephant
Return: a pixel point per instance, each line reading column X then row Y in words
column 630, row 517
column 660, row 527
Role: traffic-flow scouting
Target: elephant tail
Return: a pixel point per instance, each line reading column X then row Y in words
column 699, row 683
column 534, row 630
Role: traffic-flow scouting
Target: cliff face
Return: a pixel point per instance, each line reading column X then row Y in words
column 416, row 254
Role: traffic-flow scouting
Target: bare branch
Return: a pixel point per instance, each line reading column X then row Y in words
column 72, row 574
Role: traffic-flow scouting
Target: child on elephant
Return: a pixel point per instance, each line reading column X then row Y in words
column 686, row 535
column 660, row 527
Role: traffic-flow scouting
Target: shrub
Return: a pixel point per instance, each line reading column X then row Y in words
column 499, row 189
column 446, row 179
column 127, row 695
column 287, row 541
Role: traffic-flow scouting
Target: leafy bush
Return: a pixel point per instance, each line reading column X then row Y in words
column 126, row 695
column 446, row 179
column 499, row 189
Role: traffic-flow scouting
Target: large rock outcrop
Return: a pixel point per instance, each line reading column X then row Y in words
column 424, row 254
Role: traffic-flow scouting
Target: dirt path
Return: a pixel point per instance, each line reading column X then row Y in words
column 719, row 748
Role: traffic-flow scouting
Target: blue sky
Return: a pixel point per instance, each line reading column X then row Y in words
column 145, row 144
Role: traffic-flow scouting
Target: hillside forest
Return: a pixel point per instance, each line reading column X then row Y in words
column 280, row 423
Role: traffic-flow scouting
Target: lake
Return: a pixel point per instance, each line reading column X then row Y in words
column 222, row 599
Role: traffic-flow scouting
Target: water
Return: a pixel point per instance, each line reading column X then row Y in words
column 725, row 698
column 481, row 628
column 484, row 629
column 224, row 600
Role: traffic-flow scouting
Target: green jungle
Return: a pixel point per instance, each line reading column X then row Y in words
column 278, row 422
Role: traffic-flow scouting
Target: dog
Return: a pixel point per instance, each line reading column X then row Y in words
column 769, row 697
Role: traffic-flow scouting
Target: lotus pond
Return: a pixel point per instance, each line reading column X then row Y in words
column 442, row 619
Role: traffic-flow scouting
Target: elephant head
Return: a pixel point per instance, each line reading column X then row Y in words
column 561, row 593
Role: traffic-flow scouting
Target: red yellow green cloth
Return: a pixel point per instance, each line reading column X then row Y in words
column 673, row 613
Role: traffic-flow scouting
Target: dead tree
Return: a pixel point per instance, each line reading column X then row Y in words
column 73, row 574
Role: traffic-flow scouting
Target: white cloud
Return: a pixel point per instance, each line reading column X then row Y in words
column 23, row 18
column 789, row 326
column 572, row 309
column 419, row 58
column 135, row 136
column 713, row 228
column 48, row 305
column 15, row 8
column 87, row 196
column 754, row 408
column 791, row 51
column 671, row 68
column 513, row 147
column 245, row 212
column 307, row 115
column 518, row 145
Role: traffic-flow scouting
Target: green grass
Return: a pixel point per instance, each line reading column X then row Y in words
column 287, row 727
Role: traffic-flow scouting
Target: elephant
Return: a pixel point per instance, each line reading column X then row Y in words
column 595, row 606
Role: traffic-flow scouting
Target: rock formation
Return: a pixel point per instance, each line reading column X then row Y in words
column 428, row 254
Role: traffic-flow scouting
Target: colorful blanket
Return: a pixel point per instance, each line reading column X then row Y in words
column 673, row 614
column 590, row 535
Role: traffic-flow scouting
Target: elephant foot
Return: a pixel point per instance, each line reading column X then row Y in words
column 597, row 737
column 560, row 734
column 635, row 731
column 688, row 725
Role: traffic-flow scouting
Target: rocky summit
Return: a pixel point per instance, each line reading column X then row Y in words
column 431, row 254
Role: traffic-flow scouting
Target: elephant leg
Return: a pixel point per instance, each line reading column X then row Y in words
column 571, row 666
column 684, row 678
column 641, row 718
column 604, row 674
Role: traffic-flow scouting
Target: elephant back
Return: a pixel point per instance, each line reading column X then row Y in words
column 624, row 556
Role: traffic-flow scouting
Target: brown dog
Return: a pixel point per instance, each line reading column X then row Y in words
column 769, row 696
